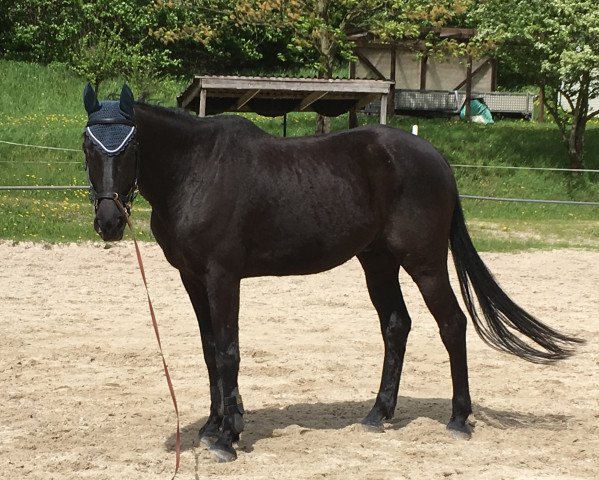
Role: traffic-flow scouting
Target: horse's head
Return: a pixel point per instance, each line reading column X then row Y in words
column 111, row 159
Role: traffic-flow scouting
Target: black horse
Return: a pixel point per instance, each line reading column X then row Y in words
column 230, row 201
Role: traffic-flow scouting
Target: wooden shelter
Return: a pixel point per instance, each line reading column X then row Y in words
column 400, row 63
column 270, row 96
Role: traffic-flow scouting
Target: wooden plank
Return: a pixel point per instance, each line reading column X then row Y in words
column 310, row 99
column 245, row 98
column 369, row 64
column 294, row 84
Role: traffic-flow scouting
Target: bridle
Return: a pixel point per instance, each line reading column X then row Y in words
column 125, row 200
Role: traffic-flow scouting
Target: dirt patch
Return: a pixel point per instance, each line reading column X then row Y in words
column 83, row 393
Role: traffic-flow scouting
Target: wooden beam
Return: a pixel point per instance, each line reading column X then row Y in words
column 292, row 84
column 245, row 98
column 310, row 99
column 473, row 73
column 186, row 98
column 369, row 64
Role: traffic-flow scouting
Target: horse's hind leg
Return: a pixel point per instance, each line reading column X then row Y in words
column 381, row 269
column 433, row 282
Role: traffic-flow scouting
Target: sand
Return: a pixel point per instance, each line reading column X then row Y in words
column 83, row 395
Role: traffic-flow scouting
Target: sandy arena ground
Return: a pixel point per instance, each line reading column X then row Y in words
column 83, row 395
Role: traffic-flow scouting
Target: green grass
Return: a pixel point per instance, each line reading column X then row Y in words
column 42, row 106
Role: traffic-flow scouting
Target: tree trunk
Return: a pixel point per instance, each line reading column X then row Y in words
column 572, row 126
column 326, row 53
column 579, row 123
column 576, row 144
column 541, row 117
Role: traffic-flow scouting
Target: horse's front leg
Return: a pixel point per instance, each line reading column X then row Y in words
column 196, row 290
column 222, row 288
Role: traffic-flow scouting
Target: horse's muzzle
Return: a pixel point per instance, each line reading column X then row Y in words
column 109, row 222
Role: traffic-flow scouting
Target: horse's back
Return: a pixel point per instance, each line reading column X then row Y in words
column 331, row 196
column 280, row 206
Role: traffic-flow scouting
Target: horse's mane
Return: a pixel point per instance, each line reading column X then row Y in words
column 183, row 117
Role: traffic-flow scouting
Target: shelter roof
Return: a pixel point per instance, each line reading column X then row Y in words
column 274, row 96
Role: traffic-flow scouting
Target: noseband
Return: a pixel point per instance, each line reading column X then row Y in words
column 127, row 199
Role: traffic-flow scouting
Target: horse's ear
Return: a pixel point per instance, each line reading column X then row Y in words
column 126, row 102
column 90, row 101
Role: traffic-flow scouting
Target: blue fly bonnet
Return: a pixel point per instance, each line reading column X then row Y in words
column 109, row 128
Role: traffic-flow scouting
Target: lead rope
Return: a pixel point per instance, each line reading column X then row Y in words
column 120, row 206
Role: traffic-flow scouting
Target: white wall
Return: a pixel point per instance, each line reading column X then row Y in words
column 443, row 74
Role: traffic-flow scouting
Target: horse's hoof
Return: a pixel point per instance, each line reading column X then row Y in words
column 459, row 430
column 372, row 427
column 223, row 454
column 208, row 440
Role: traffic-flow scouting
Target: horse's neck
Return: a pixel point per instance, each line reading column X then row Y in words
column 167, row 152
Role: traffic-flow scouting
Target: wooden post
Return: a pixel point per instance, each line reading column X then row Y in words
column 423, row 72
column 352, row 70
column 202, row 109
column 392, row 73
column 383, row 117
column 469, row 88
column 352, row 118
column 493, row 74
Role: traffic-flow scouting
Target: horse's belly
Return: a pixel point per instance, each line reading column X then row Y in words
column 305, row 251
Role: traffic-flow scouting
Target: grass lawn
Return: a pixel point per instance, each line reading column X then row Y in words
column 42, row 106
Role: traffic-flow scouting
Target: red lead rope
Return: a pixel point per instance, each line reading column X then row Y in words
column 118, row 203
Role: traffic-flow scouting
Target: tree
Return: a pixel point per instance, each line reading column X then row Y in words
column 99, row 39
column 555, row 42
column 98, row 56
column 320, row 29
column 216, row 35
column 38, row 30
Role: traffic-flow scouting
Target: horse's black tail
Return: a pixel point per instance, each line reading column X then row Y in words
column 500, row 315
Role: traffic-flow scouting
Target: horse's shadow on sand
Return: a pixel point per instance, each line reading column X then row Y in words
column 263, row 422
